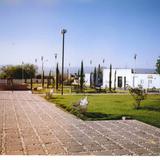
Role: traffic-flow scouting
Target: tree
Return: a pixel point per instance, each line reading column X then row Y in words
column 19, row 72
column 81, row 77
column 138, row 94
column 110, row 78
column 95, row 77
column 43, row 79
column 99, row 76
column 57, row 76
column 115, row 79
column 49, row 79
column 158, row 65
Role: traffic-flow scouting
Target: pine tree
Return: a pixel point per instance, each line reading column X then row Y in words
column 99, row 75
column 95, row 77
column 110, row 78
column 158, row 65
column 115, row 79
column 57, row 76
column 81, row 77
column 49, row 79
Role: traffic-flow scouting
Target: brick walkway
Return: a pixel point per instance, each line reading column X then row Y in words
column 31, row 126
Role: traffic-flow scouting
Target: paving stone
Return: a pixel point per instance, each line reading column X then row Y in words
column 75, row 149
column 111, row 146
column 47, row 140
column 141, row 151
column 13, row 141
column 15, row 152
column 155, row 149
column 82, row 153
column 36, row 152
column 55, row 149
column 121, row 152
column 31, row 140
column 13, row 147
column 103, row 153
column 93, row 147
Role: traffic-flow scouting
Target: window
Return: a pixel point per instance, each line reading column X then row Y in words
column 124, row 82
column 142, row 81
column 120, row 82
column 150, row 81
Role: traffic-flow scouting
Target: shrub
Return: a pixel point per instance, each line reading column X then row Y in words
column 138, row 94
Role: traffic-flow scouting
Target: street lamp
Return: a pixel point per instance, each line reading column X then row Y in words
column 103, row 62
column 35, row 69
column 42, row 59
column 63, row 31
column 55, row 56
column 69, row 74
column 42, row 75
column 135, row 57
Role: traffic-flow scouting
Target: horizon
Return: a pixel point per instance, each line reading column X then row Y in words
column 112, row 30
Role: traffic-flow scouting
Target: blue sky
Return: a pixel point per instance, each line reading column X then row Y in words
column 113, row 30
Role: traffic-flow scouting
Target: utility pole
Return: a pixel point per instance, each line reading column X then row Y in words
column 135, row 57
column 54, row 80
column 42, row 75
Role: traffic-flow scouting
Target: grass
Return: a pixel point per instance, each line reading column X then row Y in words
column 109, row 107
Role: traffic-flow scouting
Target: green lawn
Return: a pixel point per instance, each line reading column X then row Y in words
column 113, row 107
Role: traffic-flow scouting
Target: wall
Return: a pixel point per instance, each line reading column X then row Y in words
column 120, row 73
column 87, row 79
column 147, row 80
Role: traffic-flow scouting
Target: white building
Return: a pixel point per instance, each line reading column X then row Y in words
column 87, row 79
column 126, row 76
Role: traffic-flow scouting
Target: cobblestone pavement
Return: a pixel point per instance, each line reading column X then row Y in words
column 31, row 126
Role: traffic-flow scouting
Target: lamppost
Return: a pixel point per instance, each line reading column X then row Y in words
column 103, row 62
column 69, row 74
column 63, row 31
column 35, row 69
column 42, row 76
column 135, row 57
column 55, row 56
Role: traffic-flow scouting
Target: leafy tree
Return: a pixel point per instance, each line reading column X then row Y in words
column 81, row 77
column 158, row 65
column 110, row 78
column 18, row 71
column 138, row 94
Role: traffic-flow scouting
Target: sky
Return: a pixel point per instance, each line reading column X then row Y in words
column 113, row 30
